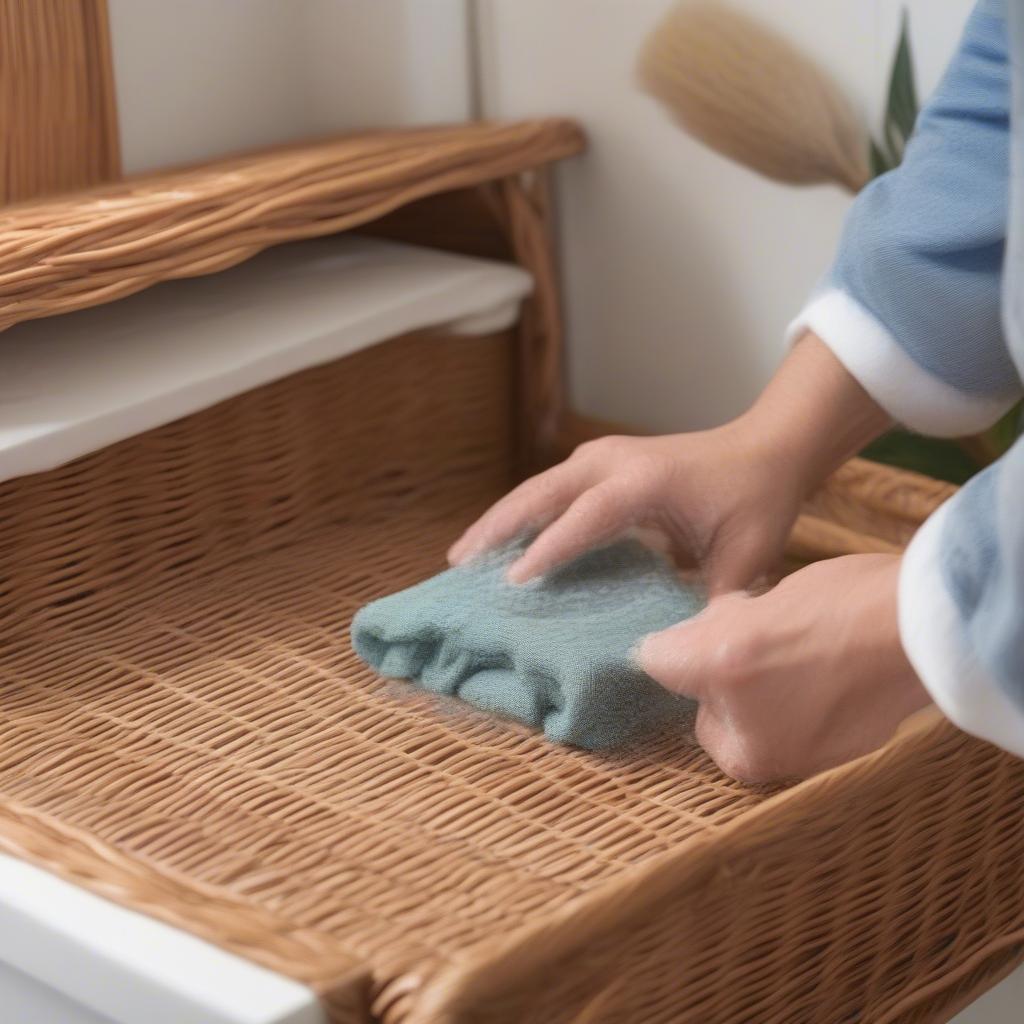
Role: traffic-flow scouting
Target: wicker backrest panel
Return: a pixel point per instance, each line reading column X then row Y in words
column 57, row 105
column 184, row 728
column 93, row 247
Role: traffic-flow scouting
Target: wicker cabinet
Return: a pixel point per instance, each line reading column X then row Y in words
column 184, row 730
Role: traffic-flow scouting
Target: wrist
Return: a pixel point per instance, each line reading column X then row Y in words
column 812, row 416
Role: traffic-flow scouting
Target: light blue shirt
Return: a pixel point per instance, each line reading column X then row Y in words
column 925, row 306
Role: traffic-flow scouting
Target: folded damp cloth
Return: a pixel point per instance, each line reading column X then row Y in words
column 555, row 654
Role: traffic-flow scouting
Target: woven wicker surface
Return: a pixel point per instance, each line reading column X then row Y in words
column 91, row 247
column 880, row 892
column 58, row 122
column 184, row 728
column 184, row 690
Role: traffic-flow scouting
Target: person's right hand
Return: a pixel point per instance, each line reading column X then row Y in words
column 725, row 498
column 718, row 495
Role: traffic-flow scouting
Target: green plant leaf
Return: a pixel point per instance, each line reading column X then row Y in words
column 879, row 160
column 1004, row 433
column 933, row 456
column 902, row 105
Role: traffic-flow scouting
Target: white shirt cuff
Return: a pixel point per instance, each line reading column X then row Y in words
column 909, row 393
column 933, row 637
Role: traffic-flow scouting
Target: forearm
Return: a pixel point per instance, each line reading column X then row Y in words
column 813, row 415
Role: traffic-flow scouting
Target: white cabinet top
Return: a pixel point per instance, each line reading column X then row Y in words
column 75, row 383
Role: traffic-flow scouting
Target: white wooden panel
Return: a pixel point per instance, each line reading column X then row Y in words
column 61, row 946
column 75, row 383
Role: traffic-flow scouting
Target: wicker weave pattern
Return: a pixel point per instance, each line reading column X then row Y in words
column 93, row 247
column 879, row 892
column 184, row 728
column 57, row 112
column 183, row 691
column 247, row 475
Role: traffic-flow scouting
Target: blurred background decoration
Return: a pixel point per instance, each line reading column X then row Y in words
column 749, row 94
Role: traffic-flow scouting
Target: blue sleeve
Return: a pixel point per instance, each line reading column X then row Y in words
column 912, row 303
column 962, row 579
column 914, row 307
column 962, row 604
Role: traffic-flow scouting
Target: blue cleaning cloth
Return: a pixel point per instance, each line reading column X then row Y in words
column 554, row 654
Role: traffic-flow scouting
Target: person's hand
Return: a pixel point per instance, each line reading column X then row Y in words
column 726, row 498
column 802, row 678
column 719, row 496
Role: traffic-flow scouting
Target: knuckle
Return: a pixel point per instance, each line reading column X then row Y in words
column 535, row 497
column 541, row 489
column 597, row 509
column 649, row 468
column 587, row 449
column 730, row 661
column 609, row 446
column 750, row 770
column 734, row 642
column 744, row 759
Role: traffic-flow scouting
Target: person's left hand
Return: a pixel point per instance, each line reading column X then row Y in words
column 802, row 678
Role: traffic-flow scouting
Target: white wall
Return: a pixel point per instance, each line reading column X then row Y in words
column 372, row 62
column 196, row 78
column 681, row 269
column 200, row 78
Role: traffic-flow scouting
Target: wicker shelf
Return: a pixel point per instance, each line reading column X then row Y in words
column 72, row 385
column 185, row 729
column 92, row 247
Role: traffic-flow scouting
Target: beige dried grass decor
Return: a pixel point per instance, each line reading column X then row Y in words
column 747, row 93
column 59, row 128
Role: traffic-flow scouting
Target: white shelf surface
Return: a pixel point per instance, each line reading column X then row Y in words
column 75, row 383
column 94, row 959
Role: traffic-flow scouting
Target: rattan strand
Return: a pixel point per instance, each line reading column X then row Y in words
column 56, row 98
column 184, row 729
column 93, row 247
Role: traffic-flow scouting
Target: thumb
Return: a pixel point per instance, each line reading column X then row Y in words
column 694, row 657
column 673, row 657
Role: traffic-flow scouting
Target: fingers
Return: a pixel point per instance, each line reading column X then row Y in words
column 735, row 753
column 696, row 658
column 533, row 504
column 738, row 563
column 674, row 659
column 597, row 515
column 707, row 659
